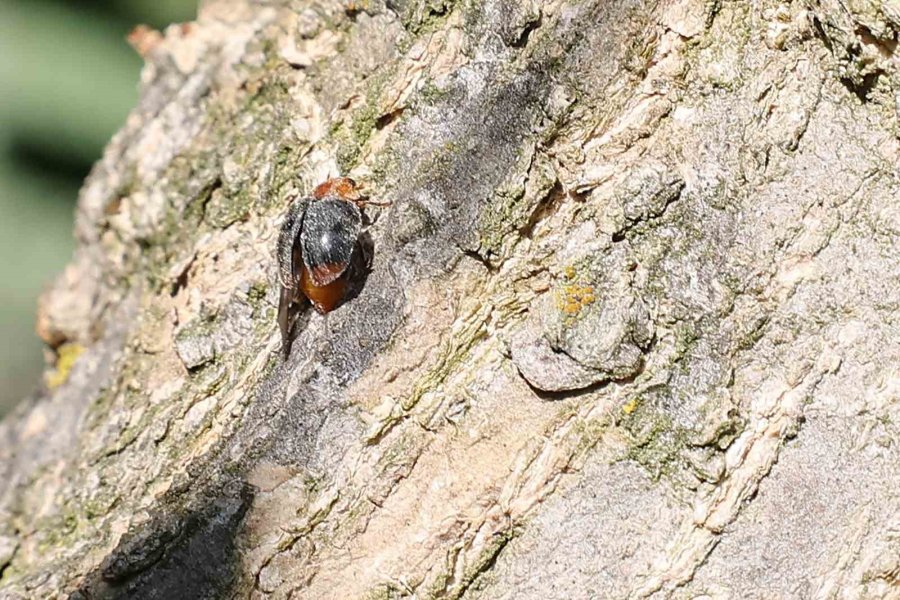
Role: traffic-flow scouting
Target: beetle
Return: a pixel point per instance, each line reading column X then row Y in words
column 319, row 251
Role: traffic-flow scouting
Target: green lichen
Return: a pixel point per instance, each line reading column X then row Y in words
column 223, row 210
column 501, row 216
column 351, row 135
column 384, row 167
column 442, row 587
column 61, row 529
column 588, row 433
column 425, row 16
column 211, row 381
column 438, row 164
column 656, row 442
column 385, row 591
column 725, row 432
column 200, row 200
column 194, row 178
column 100, row 504
column 202, row 326
column 452, row 354
column 256, row 295
column 430, row 94
column 686, row 337
column 285, row 166
column 516, row 205
column 401, row 452
column 485, row 559
column 717, row 53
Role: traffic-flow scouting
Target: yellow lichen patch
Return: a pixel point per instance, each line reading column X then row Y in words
column 67, row 355
column 630, row 406
column 572, row 298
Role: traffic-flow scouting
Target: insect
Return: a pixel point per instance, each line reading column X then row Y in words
column 319, row 251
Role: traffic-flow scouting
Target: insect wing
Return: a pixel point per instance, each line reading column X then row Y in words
column 330, row 230
column 288, row 265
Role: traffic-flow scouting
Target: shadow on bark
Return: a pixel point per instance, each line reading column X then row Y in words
column 189, row 555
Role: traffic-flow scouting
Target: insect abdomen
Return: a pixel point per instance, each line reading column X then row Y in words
column 326, row 297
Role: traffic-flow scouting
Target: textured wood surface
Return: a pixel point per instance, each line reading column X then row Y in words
column 630, row 332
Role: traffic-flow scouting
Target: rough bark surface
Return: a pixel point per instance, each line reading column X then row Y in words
column 630, row 332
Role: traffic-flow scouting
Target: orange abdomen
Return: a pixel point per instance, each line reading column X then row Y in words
column 324, row 298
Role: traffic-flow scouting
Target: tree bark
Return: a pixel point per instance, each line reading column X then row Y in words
column 630, row 330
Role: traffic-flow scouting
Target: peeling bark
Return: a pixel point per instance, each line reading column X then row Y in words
column 630, row 329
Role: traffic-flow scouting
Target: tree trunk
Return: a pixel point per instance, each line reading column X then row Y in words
column 630, row 329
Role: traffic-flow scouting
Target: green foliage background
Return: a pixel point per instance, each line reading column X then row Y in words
column 67, row 81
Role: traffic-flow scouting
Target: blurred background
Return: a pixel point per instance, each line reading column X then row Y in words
column 67, row 80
